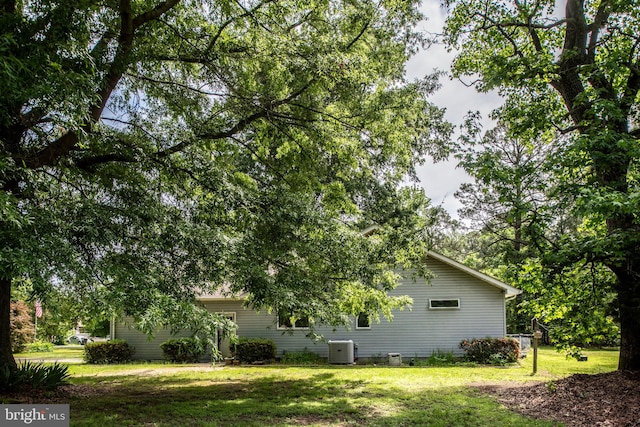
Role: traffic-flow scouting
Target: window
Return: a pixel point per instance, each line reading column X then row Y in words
column 363, row 321
column 287, row 321
column 444, row 304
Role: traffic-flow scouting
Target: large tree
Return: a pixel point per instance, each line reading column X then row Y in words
column 521, row 214
column 150, row 150
column 576, row 70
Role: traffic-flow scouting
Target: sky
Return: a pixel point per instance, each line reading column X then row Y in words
column 441, row 180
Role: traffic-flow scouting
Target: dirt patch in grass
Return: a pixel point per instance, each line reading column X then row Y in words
column 611, row 399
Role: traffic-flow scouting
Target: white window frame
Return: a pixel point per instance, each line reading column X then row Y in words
column 363, row 327
column 293, row 326
column 228, row 314
column 431, row 307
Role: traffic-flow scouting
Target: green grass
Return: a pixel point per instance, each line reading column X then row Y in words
column 157, row 394
column 60, row 352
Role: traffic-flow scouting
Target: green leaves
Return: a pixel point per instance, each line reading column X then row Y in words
column 573, row 82
column 154, row 150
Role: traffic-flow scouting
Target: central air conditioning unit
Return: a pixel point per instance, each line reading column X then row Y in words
column 341, row 352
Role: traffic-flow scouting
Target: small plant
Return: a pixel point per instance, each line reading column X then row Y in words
column 551, row 386
column 35, row 376
column 183, row 350
column 115, row 351
column 376, row 359
column 250, row 350
column 304, row 357
column 497, row 359
column 40, row 347
column 440, row 358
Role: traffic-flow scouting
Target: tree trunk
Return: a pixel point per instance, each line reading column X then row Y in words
column 6, row 355
column 629, row 304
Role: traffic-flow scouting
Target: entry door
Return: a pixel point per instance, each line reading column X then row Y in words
column 224, row 343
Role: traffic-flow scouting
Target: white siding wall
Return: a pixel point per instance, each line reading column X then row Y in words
column 416, row 332
column 145, row 349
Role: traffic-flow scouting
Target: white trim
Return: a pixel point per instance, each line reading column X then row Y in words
column 228, row 314
column 293, row 326
column 363, row 327
column 431, row 307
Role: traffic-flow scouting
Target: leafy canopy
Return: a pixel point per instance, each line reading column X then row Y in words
column 153, row 150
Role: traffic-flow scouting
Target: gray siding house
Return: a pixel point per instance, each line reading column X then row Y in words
column 458, row 303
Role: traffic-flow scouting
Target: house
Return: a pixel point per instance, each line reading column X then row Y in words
column 458, row 303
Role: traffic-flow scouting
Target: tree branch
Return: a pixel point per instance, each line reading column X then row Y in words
column 594, row 29
column 128, row 24
column 153, row 14
column 239, row 126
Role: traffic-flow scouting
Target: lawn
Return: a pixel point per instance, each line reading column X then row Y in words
column 60, row 352
column 201, row 395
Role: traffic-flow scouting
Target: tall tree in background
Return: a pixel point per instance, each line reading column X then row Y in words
column 508, row 197
column 507, row 203
column 521, row 214
column 577, row 71
column 150, row 150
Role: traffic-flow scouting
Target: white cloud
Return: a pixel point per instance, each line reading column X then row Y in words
column 442, row 179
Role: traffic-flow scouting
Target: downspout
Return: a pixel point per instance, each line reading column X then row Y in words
column 504, row 312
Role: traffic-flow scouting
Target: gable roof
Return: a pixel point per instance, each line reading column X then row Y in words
column 225, row 294
column 508, row 290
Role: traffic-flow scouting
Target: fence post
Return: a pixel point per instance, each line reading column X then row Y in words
column 537, row 334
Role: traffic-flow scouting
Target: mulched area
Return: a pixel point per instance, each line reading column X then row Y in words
column 604, row 400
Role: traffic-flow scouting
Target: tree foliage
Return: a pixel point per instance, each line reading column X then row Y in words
column 22, row 329
column 576, row 72
column 151, row 150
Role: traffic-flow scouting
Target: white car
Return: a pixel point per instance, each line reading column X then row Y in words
column 79, row 339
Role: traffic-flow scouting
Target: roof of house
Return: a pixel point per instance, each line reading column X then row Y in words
column 225, row 294
column 222, row 294
column 508, row 290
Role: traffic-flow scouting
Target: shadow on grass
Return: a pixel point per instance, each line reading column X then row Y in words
column 321, row 399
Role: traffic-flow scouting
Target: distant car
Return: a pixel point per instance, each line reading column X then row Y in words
column 79, row 339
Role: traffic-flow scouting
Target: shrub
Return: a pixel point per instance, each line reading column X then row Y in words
column 438, row 358
column 304, row 357
column 39, row 347
column 249, row 350
column 34, row 375
column 377, row 359
column 496, row 351
column 21, row 326
column 183, row 350
column 115, row 351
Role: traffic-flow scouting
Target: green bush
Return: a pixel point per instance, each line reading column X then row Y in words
column 33, row 375
column 115, row 351
column 304, row 357
column 492, row 351
column 438, row 358
column 249, row 350
column 39, row 347
column 183, row 350
column 21, row 326
column 377, row 359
